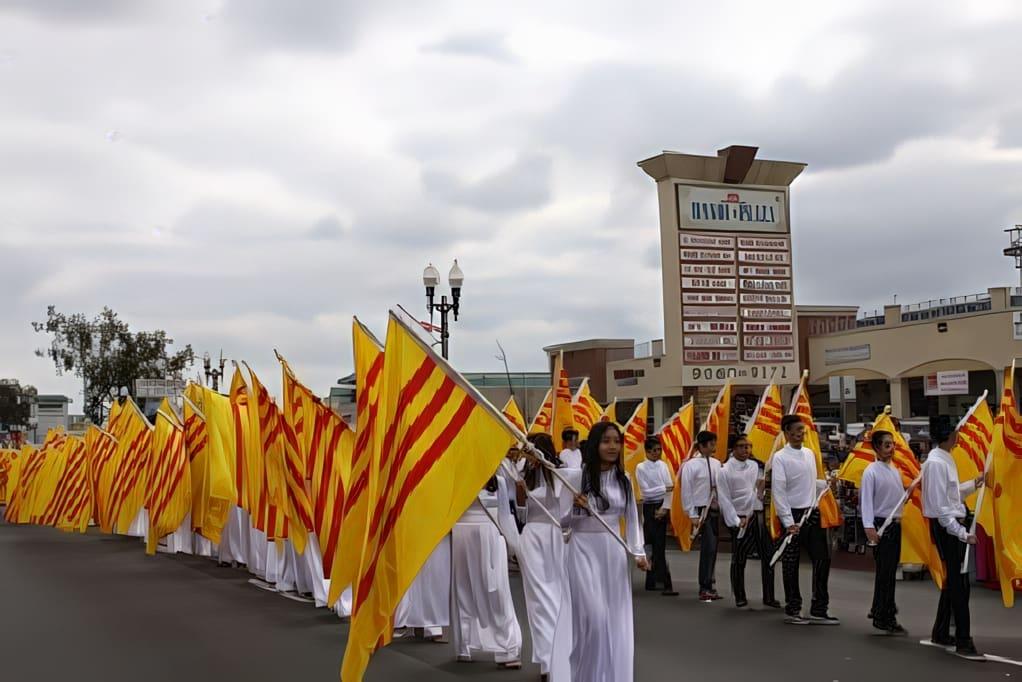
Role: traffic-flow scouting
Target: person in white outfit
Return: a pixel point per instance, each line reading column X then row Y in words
column 483, row 619
column 598, row 567
column 656, row 483
column 541, row 557
column 571, row 456
column 427, row 602
column 699, row 495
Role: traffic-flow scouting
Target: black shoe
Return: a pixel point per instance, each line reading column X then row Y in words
column 897, row 629
column 741, row 603
column 823, row 619
column 967, row 650
column 945, row 642
column 650, row 588
column 772, row 603
column 669, row 593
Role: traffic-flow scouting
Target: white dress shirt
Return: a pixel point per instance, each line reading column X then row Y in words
column 880, row 492
column 697, row 481
column 654, row 479
column 736, row 490
column 793, row 484
column 942, row 493
column 571, row 459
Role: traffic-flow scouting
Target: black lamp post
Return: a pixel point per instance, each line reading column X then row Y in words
column 212, row 372
column 431, row 280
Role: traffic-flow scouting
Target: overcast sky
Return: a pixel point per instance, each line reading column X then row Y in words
column 248, row 174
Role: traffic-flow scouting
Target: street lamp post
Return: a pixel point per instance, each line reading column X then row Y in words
column 431, row 280
column 212, row 372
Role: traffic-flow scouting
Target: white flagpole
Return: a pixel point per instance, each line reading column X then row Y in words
column 801, row 522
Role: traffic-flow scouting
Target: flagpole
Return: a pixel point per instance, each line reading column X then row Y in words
column 979, row 507
column 528, row 493
column 801, row 522
column 901, row 503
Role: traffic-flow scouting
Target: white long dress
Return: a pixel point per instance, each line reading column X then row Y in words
column 484, row 617
column 180, row 541
column 256, row 551
column 601, row 586
column 235, row 537
column 542, row 561
column 427, row 603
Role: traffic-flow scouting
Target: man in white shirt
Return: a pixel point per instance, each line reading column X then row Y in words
column 656, row 483
column 942, row 505
column 741, row 507
column 571, row 455
column 795, row 488
column 699, row 495
column 879, row 496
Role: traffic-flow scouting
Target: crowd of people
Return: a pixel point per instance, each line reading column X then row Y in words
column 558, row 515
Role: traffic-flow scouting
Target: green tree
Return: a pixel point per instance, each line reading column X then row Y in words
column 106, row 354
column 15, row 403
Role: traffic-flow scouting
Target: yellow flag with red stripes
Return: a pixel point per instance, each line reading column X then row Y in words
column 764, row 427
column 71, row 508
column 285, row 467
column 134, row 445
column 347, row 555
column 830, row 515
column 633, row 449
column 101, row 448
column 718, row 420
column 19, row 506
column 170, row 479
column 544, row 417
column 213, row 491
column 1005, row 496
column 676, row 437
column 44, row 491
column 587, row 410
column 7, row 457
column 443, row 441
column 561, row 417
column 327, row 443
column 975, row 435
column 609, row 413
column 514, row 414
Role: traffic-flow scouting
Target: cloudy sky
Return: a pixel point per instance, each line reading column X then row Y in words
column 248, row 174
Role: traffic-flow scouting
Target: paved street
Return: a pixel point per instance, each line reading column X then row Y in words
column 94, row 607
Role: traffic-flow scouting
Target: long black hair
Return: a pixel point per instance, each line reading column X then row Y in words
column 545, row 444
column 591, row 464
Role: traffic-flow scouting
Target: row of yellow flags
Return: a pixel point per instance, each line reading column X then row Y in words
column 980, row 437
column 381, row 496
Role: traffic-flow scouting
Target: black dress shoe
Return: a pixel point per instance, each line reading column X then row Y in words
column 772, row 603
column 669, row 593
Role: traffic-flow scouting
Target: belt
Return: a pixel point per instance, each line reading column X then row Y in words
column 657, row 502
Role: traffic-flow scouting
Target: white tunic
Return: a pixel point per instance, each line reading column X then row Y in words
column 427, row 603
column 697, row 482
column 571, row 459
column 654, row 479
column 599, row 575
column 793, row 484
column 544, row 577
column 880, row 492
column 484, row 613
column 942, row 493
column 736, row 490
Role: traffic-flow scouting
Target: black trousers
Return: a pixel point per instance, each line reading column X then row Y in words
column 757, row 537
column 954, row 598
column 814, row 538
column 708, row 549
column 655, row 531
column 887, row 555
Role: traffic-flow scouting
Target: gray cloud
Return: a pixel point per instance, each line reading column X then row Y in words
column 310, row 25
column 487, row 45
column 75, row 11
column 523, row 185
column 327, row 228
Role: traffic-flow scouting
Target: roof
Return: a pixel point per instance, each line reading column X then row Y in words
column 808, row 309
column 734, row 165
column 590, row 344
column 52, row 398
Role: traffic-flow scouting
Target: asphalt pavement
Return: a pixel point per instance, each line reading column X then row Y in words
column 94, row 607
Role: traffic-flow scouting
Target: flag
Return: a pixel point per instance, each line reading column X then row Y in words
column 830, row 515
column 676, row 437
column 267, row 515
column 43, row 493
column 443, row 442
column 860, row 457
column 347, row 554
column 19, row 506
column 170, row 481
column 587, row 410
column 764, row 427
column 975, row 434
column 561, row 415
column 610, row 412
column 513, row 414
column 247, row 453
column 327, row 443
column 633, row 449
column 213, row 492
column 134, row 444
column 718, row 420
column 7, row 457
column 71, row 506
column 101, row 449
column 541, row 422
column 285, row 467
column 1005, row 498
